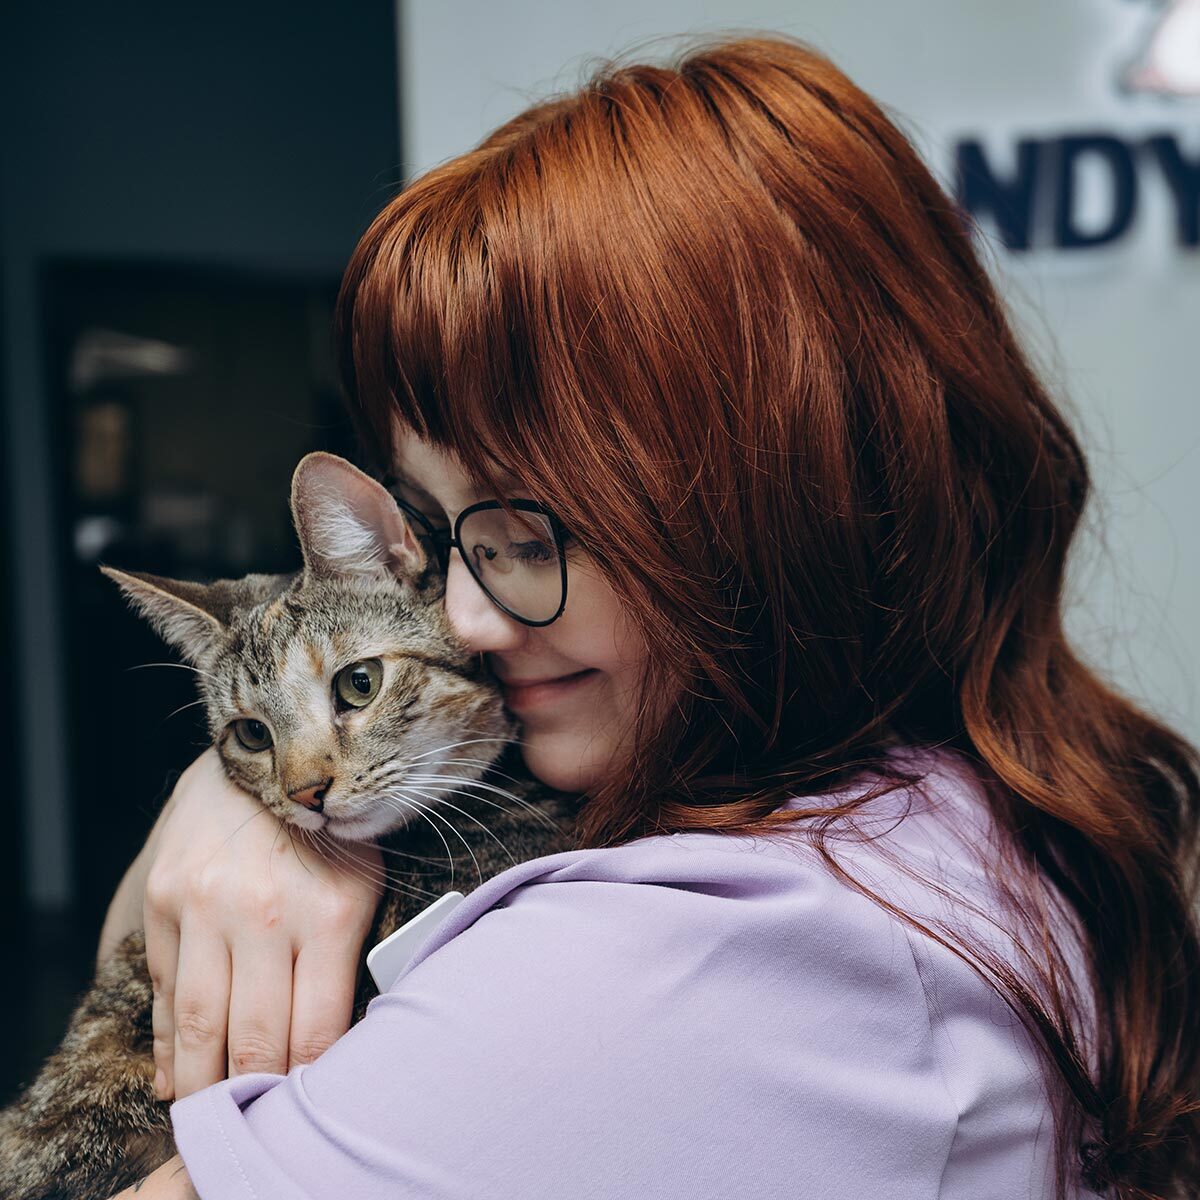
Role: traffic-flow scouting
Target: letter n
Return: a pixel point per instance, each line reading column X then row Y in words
column 1009, row 202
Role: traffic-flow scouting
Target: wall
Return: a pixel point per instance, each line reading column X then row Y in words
column 247, row 136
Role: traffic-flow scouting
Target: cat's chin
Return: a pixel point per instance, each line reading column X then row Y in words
column 310, row 821
column 365, row 828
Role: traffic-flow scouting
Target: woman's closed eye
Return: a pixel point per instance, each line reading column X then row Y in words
column 537, row 552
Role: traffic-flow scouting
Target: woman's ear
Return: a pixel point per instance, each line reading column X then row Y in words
column 348, row 524
column 189, row 616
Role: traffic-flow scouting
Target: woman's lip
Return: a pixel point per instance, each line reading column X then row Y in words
column 520, row 697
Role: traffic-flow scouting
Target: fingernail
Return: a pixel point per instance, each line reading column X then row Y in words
column 160, row 1084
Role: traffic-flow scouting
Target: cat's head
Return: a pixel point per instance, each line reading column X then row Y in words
column 340, row 697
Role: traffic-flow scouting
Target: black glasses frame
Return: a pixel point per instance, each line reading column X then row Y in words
column 444, row 539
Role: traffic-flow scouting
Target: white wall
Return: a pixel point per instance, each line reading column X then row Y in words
column 1116, row 326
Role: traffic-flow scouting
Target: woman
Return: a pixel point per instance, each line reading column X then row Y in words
column 883, row 891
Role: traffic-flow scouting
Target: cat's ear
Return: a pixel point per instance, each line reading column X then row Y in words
column 190, row 616
column 348, row 524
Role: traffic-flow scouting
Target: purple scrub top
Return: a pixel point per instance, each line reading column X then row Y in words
column 686, row 1016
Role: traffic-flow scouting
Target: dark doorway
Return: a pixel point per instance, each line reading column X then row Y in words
column 180, row 400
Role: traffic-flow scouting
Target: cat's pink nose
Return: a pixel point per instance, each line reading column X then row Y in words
column 312, row 796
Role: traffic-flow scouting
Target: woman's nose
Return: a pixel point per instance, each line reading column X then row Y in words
column 472, row 615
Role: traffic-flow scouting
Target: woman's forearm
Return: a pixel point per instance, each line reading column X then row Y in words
column 125, row 911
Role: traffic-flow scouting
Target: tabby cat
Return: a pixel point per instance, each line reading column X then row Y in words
column 340, row 698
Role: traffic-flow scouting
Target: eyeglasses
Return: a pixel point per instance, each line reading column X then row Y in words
column 518, row 560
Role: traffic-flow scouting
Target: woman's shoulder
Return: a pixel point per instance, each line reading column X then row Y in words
column 683, row 994
column 725, row 882
column 754, row 965
column 754, row 927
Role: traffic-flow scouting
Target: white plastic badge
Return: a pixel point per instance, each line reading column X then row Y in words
column 390, row 957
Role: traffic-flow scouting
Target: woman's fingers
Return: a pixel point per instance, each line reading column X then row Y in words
column 322, row 998
column 239, row 920
column 162, row 959
column 201, row 1007
column 260, row 1007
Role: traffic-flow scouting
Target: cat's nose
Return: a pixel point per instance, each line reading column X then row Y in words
column 312, row 796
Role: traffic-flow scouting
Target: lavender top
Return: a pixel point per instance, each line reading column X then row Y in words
column 693, row 1015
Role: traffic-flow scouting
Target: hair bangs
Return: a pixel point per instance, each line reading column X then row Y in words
column 434, row 332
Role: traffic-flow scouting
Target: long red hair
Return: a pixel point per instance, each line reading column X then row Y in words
column 723, row 320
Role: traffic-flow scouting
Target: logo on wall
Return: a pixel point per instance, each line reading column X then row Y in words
column 1082, row 189
column 1169, row 63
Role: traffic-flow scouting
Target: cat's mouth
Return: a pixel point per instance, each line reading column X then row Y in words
column 365, row 817
column 351, row 827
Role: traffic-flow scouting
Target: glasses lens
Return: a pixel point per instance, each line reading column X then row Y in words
column 515, row 559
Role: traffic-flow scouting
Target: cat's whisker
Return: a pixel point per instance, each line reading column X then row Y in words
column 177, row 666
column 441, row 800
column 485, row 769
column 393, row 800
column 430, row 814
column 467, row 779
column 473, row 786
column 298, row 857
column 325, row 845
column 261, row 812
column 439, row 797
column 421, row 858
column 181, row 708
column 484, row 765
column 455, row 745
column 281, row 827
column 478, row 784
column 386, row 880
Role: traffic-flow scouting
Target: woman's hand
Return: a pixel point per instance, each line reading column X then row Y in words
column 253, row 938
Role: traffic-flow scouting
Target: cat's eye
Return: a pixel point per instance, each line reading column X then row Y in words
column 358, row 684
column 253, row 735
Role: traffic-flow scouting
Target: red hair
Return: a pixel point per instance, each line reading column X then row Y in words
column 723, row 320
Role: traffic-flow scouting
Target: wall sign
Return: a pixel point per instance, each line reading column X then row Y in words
column 1082, row 188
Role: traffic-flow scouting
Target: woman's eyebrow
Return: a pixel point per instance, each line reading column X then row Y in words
column 402, row 479
column 512, row 485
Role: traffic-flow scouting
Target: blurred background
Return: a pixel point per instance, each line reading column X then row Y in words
column 181, row 189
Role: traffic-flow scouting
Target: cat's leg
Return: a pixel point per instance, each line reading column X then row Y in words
column 89, row 1124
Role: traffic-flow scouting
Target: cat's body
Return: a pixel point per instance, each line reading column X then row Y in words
column 339, row 698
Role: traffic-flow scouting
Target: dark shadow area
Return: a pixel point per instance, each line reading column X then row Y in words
column 181, row 191
column 181, row 401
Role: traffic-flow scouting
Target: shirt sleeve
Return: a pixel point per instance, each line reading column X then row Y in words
column 607, row 1038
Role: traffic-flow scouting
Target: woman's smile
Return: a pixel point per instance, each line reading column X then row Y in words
column 521, row 697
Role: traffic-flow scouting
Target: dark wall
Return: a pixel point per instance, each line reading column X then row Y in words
column 258, row 134
column 241, row 146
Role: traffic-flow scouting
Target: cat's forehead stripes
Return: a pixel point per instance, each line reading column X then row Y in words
column 269, row 614
column 316, row 660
